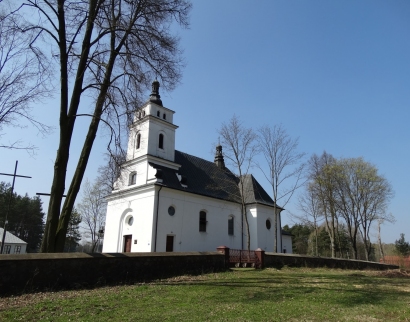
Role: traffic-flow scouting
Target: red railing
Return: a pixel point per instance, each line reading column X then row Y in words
column 396, row 260
column 243, row 258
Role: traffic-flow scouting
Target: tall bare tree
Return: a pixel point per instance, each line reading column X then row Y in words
column 350, row 190
column 312, row 216
column 92, row 209
column 110, row 172
column 112, row 50
column 322, row 185
column 284, row 167
column 240, row 145
column 23, row 78
column 361, row 197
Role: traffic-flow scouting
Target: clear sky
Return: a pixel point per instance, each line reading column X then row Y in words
column 336, row 74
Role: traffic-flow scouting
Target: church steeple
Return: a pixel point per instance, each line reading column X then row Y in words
column 155, row 97
column 219, row 158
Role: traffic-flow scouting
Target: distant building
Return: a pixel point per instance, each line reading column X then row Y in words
column 12, row 244
column 167, row 200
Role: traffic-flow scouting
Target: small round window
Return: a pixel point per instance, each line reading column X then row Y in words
column 171, row 211
column 130, row 220
column 268, row 225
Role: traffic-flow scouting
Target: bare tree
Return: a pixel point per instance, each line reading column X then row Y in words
column 110, row 172
column 309, row 205
column 322, row 185
column 112, row 49
column 240, row 147
column 92, row 210
column 284, row 165
column 23, row 78
column 376, row 194
column 353, row 191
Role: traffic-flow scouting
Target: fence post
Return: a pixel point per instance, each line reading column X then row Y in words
column 260, row 254
column 224, row 250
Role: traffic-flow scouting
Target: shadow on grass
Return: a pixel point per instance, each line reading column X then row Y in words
column 336, row 288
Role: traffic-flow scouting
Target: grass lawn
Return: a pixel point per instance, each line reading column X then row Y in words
column 239, row 295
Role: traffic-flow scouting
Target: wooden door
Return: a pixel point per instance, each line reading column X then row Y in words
column 170, row 244
column 127, row 243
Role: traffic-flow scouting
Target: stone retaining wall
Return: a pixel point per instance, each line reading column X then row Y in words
column 50, row 272
column 38, row 272
column 293, row 260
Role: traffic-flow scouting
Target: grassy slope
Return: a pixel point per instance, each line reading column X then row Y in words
column 241, row 295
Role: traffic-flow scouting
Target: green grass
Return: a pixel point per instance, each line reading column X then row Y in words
column 238, row 295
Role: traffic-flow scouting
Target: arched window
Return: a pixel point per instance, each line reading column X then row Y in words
column 138, row 145
column 158, row 113
column 268, row 224
column 202, row 221
column 132, row 178
column 230, row 225
column 143, row 113
column 164, row 116
column 161, row 141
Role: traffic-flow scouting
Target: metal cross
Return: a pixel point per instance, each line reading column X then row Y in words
column 8, row 207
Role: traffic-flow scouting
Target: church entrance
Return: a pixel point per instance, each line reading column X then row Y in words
column 127, row 243
column 170, row 244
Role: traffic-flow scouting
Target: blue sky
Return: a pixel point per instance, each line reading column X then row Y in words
column 336, row 74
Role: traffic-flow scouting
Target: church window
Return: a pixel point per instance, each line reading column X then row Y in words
column 230, row 225
column 161, row 141
column 138, row 140
column 132, row 178
column 202, row 221
column 143, row 113
column 268, row 224
column 158, row 113
column 130, row 221
column 164, row 116
column 171, row 211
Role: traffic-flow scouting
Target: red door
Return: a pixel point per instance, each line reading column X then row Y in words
column 127, row 243
column 170, row 244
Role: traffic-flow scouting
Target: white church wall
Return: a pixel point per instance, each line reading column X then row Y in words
column 132, row 150
column 252, row 214
column 287, row 244
column 184, row 224
column 139, row 205
column 155, row 129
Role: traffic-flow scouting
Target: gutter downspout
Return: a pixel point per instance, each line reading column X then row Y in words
column 280, row 229
column 156, row 222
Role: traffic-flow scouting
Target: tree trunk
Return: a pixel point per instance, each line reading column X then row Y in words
column 67, row 122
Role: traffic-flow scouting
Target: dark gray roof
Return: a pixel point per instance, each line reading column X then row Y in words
column 206, row 178
column 284, row 232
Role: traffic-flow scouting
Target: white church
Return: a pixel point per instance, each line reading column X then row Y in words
column 167, row 200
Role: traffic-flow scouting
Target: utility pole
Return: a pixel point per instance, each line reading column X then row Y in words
column 8, row 207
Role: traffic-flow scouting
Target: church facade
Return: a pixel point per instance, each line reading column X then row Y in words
column 167, row 200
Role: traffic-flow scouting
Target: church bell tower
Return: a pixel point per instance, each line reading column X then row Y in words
column 152, row 132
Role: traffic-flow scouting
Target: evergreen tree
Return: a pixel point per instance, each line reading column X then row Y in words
column 300, row 238
column 73, row 232
column 402, row 247
column 25, row 218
